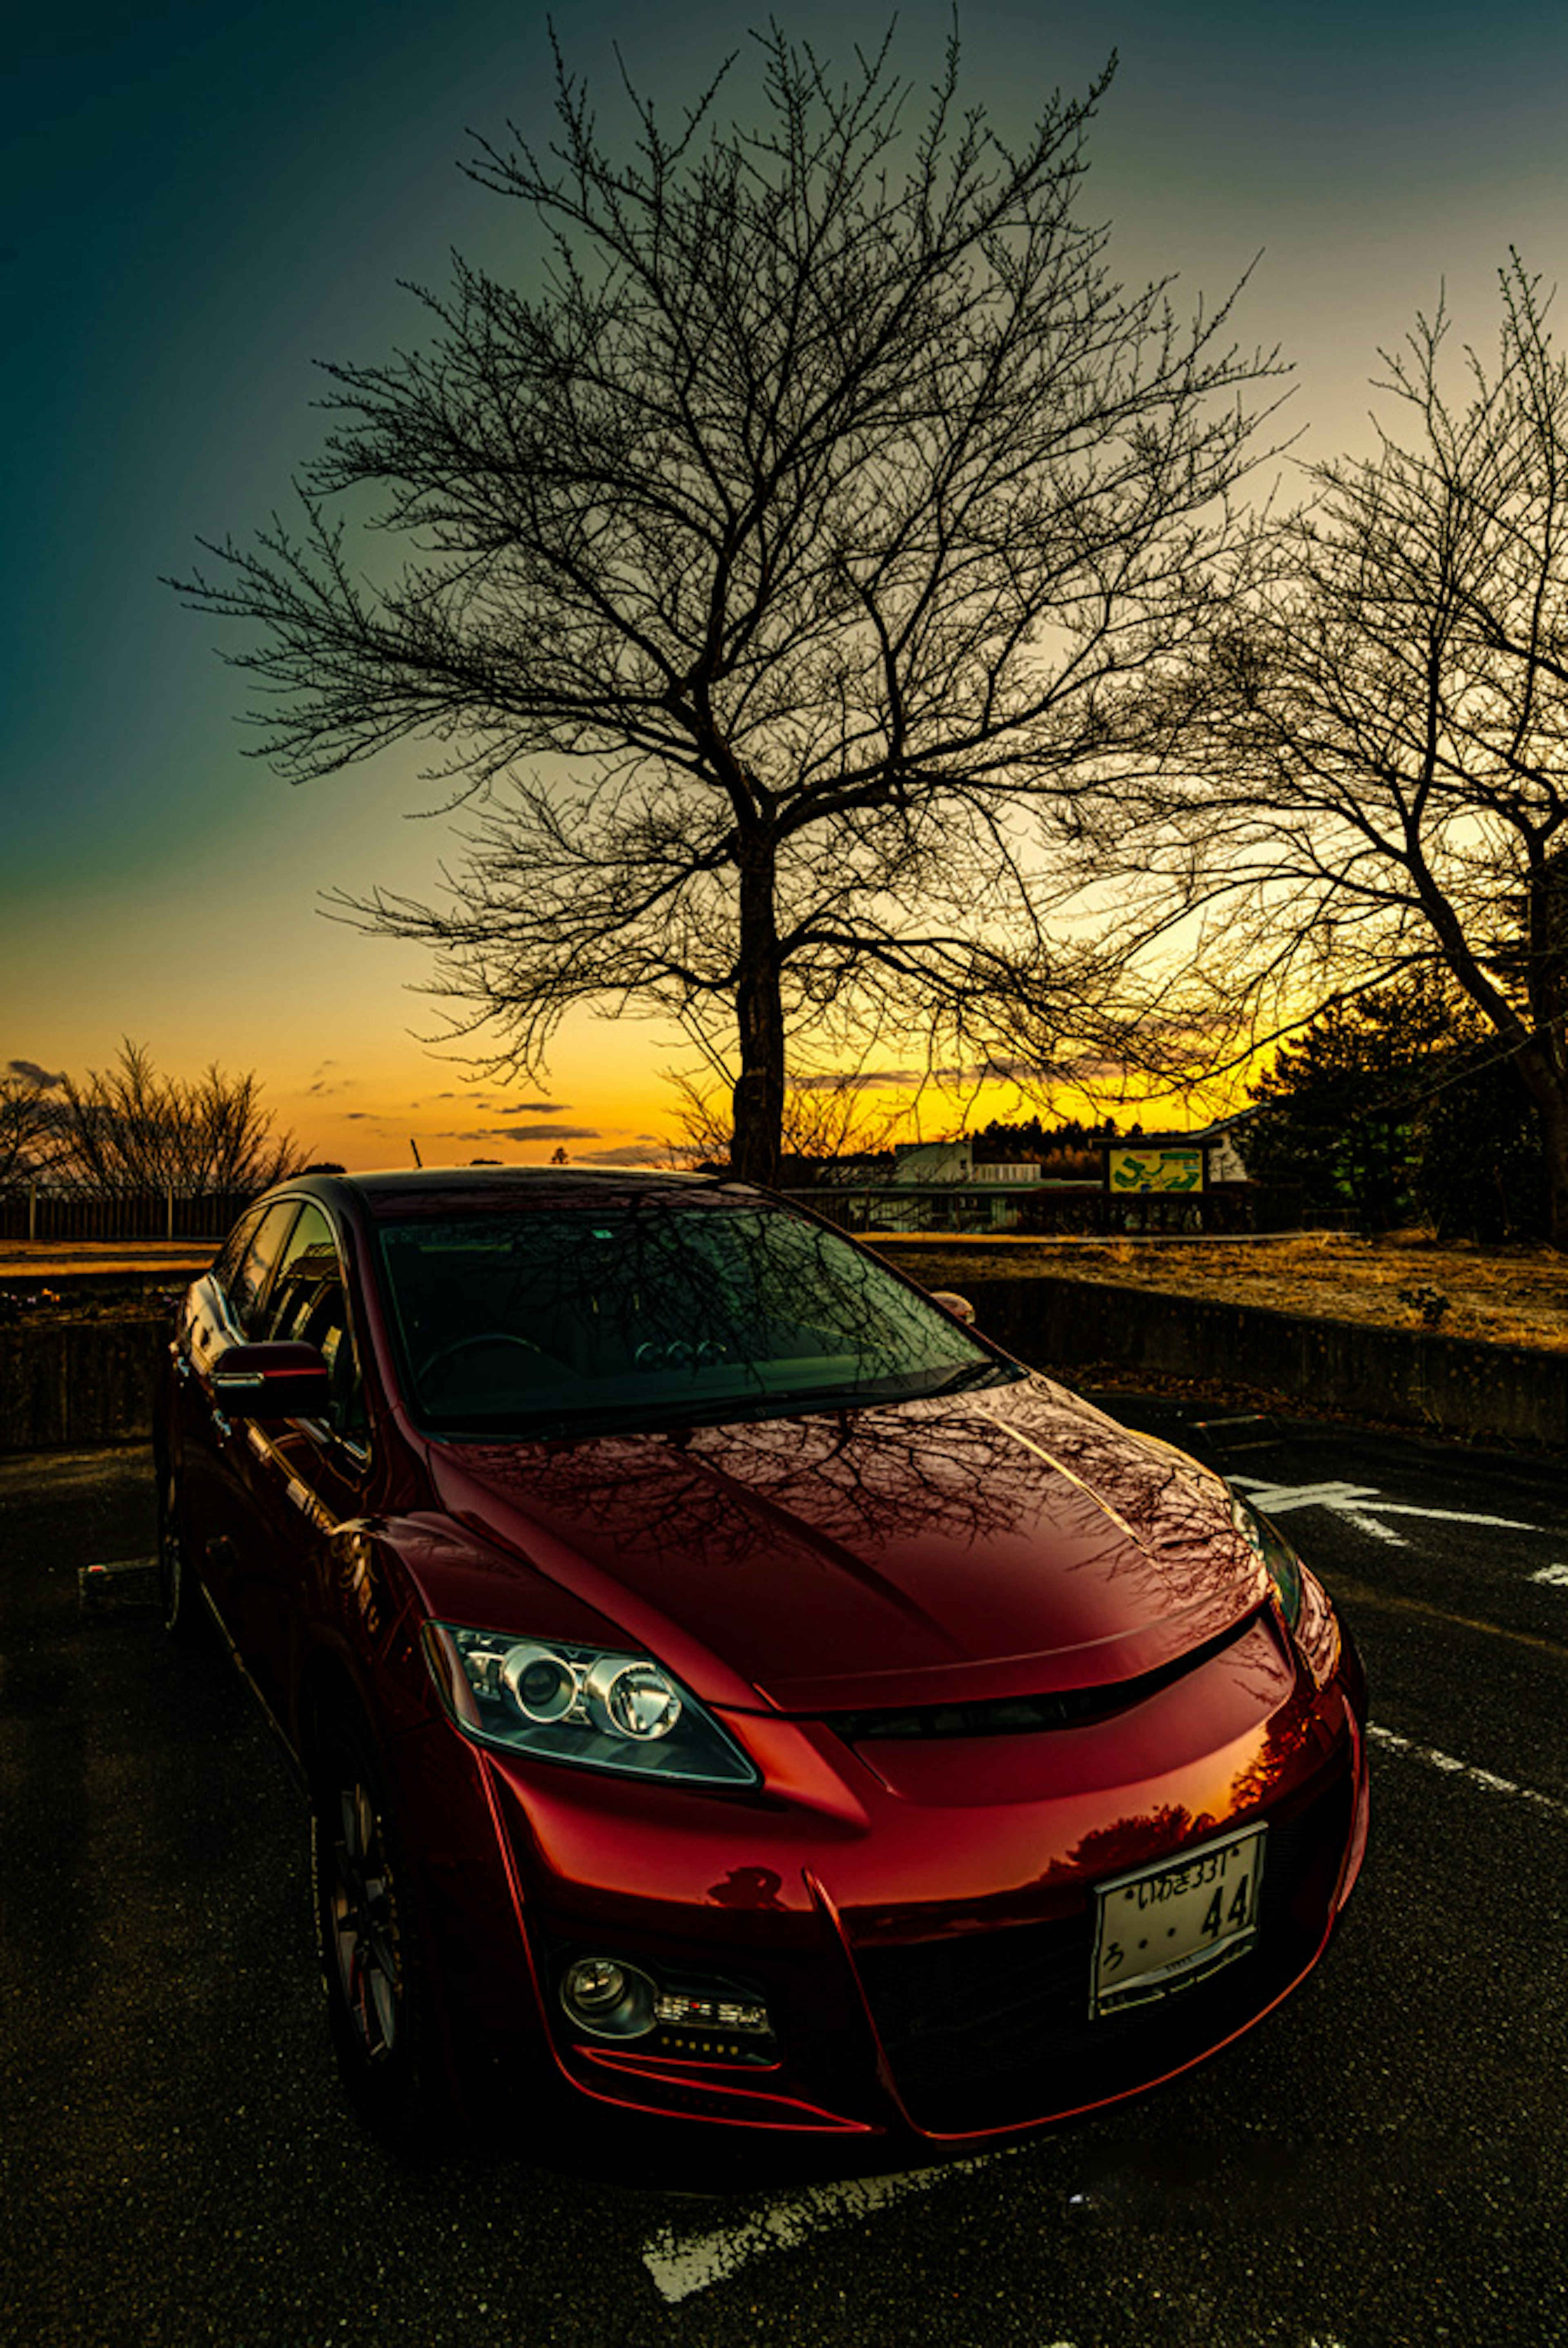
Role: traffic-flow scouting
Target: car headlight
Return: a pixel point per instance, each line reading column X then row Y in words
column 591, row 1705
column 1279, row 1560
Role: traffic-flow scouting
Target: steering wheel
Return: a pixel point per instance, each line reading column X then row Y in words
column 679, row 1353
column 469, row 1344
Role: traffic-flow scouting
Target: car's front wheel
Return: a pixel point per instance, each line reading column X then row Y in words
column 377, row 2005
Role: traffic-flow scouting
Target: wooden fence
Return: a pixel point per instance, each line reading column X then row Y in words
column 33, row 1212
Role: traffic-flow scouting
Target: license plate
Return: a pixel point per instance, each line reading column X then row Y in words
column 1164, row 1928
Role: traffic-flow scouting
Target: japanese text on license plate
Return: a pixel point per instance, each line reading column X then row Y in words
column 1166, row 1927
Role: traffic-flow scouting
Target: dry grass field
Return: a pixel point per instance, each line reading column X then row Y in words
column 1510, row 1296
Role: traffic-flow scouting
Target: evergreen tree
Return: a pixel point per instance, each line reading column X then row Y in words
column 1339, row 1107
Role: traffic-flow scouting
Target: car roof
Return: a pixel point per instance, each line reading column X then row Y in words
column 476, row 1188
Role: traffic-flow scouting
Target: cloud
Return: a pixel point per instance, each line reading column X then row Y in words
column 636, row 1153
column 1073, row 1069
column 31, row 1073
column 902, row 1079
column 532, row 1133
column 1078, row 1068
column 525, row 1108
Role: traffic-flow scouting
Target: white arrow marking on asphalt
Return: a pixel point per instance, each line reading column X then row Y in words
column 1557, row 1574
column 1346, row 1500
column 1364, row 1505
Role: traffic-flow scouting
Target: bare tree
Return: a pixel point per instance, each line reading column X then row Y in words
column 1384, row 742
column 824, row 506
column 30, row 1121
column 823, row 1117
column 128, row 1128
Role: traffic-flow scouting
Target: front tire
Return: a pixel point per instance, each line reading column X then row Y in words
column 378, row 2007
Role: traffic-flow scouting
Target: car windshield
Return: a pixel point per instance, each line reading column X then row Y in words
column 562, row 1317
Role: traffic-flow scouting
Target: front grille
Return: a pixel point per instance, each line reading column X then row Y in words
column 987, row 2028
column 1027, row 1714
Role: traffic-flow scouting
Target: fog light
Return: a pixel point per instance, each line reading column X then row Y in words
column 608, row 1999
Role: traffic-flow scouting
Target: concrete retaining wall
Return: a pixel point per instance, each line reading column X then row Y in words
column 79, row 1383
column 1411, row 1377
column 91, row 1382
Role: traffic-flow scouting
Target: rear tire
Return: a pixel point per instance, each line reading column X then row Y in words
column 378, row 2005
column 185, row 1616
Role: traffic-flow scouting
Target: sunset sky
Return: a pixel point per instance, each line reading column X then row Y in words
column 204, row 201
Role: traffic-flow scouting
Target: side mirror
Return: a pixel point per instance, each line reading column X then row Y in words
column 959, row 1306
column 273, row 1381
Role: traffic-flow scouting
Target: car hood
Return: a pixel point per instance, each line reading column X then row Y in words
column 1014, row 1541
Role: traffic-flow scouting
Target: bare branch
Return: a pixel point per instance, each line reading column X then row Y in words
column 825, row 505
column 1375, row 743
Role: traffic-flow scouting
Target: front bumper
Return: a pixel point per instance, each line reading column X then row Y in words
column 926, row 1962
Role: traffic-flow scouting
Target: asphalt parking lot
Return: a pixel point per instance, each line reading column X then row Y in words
column 1383, row 2162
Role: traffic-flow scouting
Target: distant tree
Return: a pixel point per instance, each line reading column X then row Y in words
column 999, row 1142
column 824, row 1118
column 1065, row 1152
column 30, row 1122
column 558, row 1154
column 819, row 505
column 128, row 1129
column 1380, row 765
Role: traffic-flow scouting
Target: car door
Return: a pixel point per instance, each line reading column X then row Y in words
column 222, row 1311
column 305, row 1476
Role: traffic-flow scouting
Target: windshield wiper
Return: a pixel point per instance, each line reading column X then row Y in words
column 652, row 1417
column 975, row 1374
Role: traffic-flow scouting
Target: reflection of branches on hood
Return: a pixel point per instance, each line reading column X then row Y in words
column 1176, row 1510
column 868, row 1480
column 860, row 1481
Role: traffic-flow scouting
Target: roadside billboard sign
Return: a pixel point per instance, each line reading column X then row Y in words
column 1164, row 1168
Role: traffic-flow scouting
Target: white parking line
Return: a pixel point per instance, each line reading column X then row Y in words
column 1556, row 1574
column 680, row 2264
column 1487, row 1780
column 1365, row 1507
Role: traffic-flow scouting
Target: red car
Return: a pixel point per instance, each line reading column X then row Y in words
column 728, row 1686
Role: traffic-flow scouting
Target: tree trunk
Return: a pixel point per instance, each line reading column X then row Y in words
column 1554, row 1149
column 1543, row 1081
column 759, row 1095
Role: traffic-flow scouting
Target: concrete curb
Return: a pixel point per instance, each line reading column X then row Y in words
column 68, row 1384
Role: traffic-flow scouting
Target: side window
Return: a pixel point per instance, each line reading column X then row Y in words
column 232, row 1254
column 246, row 1281
column 307, row 1303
